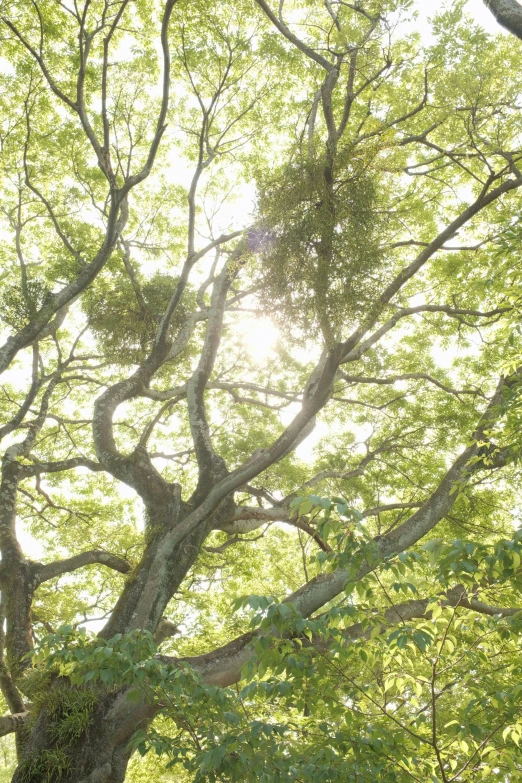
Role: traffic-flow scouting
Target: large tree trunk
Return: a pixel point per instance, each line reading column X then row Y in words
column 100, row 755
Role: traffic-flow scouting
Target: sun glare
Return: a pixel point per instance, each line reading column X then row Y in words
column 259, row 337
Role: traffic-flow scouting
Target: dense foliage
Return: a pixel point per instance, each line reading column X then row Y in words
column 261, row 399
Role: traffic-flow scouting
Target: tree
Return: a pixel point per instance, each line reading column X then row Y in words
column 264, row 612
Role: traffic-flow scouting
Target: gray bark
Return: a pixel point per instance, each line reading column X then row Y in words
column 508, row 13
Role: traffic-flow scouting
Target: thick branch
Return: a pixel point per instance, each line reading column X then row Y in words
column 12, row 723
column 322, row 589
column 508, row 13
column 223, row 666
column 208, row 460
column 9, row 690
column 52, row 570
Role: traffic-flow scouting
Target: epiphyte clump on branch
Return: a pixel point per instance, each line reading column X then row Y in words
column 124, row 317
column 319, row 247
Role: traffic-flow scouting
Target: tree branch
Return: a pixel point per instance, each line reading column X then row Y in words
column 57, row 301
column 210, row 464
column 223, row 666
column 39, row 467
column 508, row 13
column 373, row 512
column 160, row 124
column 288, row 34
column 415, row 376
column 12, row 723
column 59, row 567
column 118, row 203
column 484, row 199
column 407, row 311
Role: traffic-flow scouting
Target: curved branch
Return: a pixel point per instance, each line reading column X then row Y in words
column 163, row 349
column 118, row 206
column 57, row 467
column 36, row 384
column 160, row 124
column 39, row 59
column 288, row 34
column 59, row 567
column 209, row 463
column 57, row 301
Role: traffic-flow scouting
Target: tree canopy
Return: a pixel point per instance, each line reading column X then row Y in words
column 261, row 392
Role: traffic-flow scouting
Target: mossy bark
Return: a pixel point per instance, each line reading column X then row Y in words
column 99, row 755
